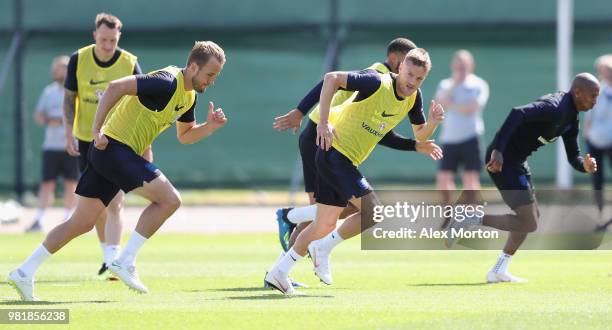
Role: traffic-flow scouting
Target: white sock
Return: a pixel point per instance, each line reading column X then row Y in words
column 288, row 261
column 34, row 261
column 280, row 257
column 110, row 253
column 103, row 248
column 331, row 240
column 302, row 214
column 40, row 213
column 128, row 256
column 501, row 266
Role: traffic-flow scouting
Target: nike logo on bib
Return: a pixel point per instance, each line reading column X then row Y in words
column 96, row 82
column 177, row 108
column 385, row 114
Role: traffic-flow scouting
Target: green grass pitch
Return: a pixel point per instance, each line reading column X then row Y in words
column 215, row 281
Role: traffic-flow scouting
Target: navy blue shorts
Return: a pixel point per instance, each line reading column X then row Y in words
column 58, row 163
column 117, row 167
column 84, row 152
column 338, row 180
column 308, row 150
column 513, row 182
column 465, row 153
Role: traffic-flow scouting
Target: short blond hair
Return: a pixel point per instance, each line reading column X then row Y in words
column 419, row 57
column 109, row 20
column 604, row 61
column 202, row 51
column 60, row 60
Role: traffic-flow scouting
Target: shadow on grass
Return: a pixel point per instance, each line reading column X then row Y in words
column 43, row 303
column 449, row 284
column 244, row 289
column 277, row 297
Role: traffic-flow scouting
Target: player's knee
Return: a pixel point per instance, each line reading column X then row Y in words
column 115, row 206
column 529, row 223
column 82, row 226
column 173, row 201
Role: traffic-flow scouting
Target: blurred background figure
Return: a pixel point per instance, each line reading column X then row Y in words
column 463, row 95
column 598, row 129
column 56, row 161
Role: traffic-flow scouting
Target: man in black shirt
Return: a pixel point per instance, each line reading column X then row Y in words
column 526, row 129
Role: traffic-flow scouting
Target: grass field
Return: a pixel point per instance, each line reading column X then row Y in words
column 215, row 282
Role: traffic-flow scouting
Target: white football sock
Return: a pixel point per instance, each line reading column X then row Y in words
column 110, row 253
column 302, row 214
column 501, row 266
column 128, row 256
column 103, row 248
column 288, row 261
column 331, row 240
column 34, row 261
column 40, row 213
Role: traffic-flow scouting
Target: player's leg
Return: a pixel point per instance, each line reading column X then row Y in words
column 331, row 198
column 138, row 175
column 325, row 222
column 597, row 178
column 113, row 228
column 45, row 199
column 46, row 190
column 95, row 192
column 445, row 178
column 353, row 225
column 289, row 218
column 85, row 148
column 362, row 199
column 70, row 173
column 348, row 211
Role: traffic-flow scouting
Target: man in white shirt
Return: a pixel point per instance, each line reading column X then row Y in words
column 598, row 129
column 464, row 96
column 56, row 161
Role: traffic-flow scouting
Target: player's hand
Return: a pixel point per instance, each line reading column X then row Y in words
column 590, row 165
column 216, row 118
column 72, row 147
column 325, row 135
column 429, row 148
column 496, row 162
column 436, row 112
column 293, row 120
column 100, row 141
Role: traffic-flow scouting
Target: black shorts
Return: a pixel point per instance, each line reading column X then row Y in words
column 466, row 153
column 308, row 150
column 513, row 182
column 83, row 151
column 59, row 162
column 116, row 167
column 338, row 180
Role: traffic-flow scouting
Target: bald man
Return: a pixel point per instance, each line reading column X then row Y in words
column 526, row 129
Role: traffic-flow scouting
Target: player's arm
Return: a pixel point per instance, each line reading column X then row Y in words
column 39, row 113
column 293, row 118
column 399, row 142
column 421, row 128
column 331, row 83
column 114, row 92
column 424, row 131
column 572, row 150
column 190, row 132
column 69, row 105
column 365, row 82
column 538, row 111
column 148, row 154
